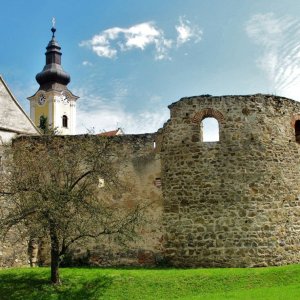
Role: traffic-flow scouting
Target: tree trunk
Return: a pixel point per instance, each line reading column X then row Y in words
column 33, row 252
column 54, row 255
column 42, row 253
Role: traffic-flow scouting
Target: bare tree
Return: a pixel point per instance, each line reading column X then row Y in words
column 54, row 187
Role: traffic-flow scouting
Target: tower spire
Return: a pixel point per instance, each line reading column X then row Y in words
column 53, row 76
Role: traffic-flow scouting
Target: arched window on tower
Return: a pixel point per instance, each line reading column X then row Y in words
column 297, row 131
column 64, row 121
column 209, row 130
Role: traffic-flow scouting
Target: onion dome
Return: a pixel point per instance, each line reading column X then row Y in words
column 53, row 72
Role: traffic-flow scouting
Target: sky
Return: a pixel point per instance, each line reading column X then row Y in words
column 130, row 59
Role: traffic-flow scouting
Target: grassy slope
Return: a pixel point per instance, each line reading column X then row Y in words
column 260, row 283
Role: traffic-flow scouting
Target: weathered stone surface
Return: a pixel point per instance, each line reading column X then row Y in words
column 234, row 202
column 139, row 163
column 231, row 203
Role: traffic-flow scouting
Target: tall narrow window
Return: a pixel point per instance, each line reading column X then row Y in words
column 297, row 131
column 210, row 130
column 64, row 121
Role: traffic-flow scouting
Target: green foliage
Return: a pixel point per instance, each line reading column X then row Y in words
column 52, row 188
column 84, row 283
column 45, row 128
column 43, row 124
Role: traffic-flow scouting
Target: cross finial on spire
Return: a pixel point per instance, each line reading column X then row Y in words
column 53, row 27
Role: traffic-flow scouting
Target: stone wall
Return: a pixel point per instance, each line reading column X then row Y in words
column 13, row 250
column 142, row 168
column 13, row 122
column 236, row 202
column 231, row 203
column 139, row 162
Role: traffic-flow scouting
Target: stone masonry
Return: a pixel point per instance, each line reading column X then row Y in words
column 235, row 202
column 138, row 159
column 231, row 203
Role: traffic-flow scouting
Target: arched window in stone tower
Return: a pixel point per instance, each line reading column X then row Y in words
column 64, row 121
column 297, row 131
column 210, row 121
column 209, row 130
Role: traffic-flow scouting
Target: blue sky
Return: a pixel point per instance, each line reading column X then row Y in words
column 130, row 59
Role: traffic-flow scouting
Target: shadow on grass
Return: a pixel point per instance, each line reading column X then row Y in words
column 34, row 286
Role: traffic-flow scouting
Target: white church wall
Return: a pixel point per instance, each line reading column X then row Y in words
column 6, row 137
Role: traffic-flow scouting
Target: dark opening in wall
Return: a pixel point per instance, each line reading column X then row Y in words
column 65, row 121
column 297, row 131
column 210, row 130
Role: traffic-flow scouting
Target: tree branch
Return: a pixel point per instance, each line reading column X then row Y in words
column 6, row 193
column 80, row 178
column 81, row 236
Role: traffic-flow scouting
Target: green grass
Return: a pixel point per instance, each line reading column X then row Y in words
column 91, row 283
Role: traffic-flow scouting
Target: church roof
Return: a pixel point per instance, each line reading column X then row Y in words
column 12, row 117
column 118, row 131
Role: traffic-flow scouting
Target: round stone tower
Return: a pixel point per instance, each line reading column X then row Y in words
column 235, row 202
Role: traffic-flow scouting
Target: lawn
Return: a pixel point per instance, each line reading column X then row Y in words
column 93, row 283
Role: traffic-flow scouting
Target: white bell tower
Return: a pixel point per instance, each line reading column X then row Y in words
column 54, row 105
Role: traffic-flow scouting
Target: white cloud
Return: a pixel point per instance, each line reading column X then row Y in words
column 266, row 29
column 100, row 46
column 279, row 38
column 186, row 32
column 94, row 112
column 141, row 35
column 111, row 41
column 110, row 118
column 87, row 63
column 138, row 36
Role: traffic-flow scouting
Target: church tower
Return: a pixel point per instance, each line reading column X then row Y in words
column 54, row 105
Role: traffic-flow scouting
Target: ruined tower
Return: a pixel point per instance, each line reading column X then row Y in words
column 234, row 202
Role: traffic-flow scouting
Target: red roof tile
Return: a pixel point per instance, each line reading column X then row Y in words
column 112, row 133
